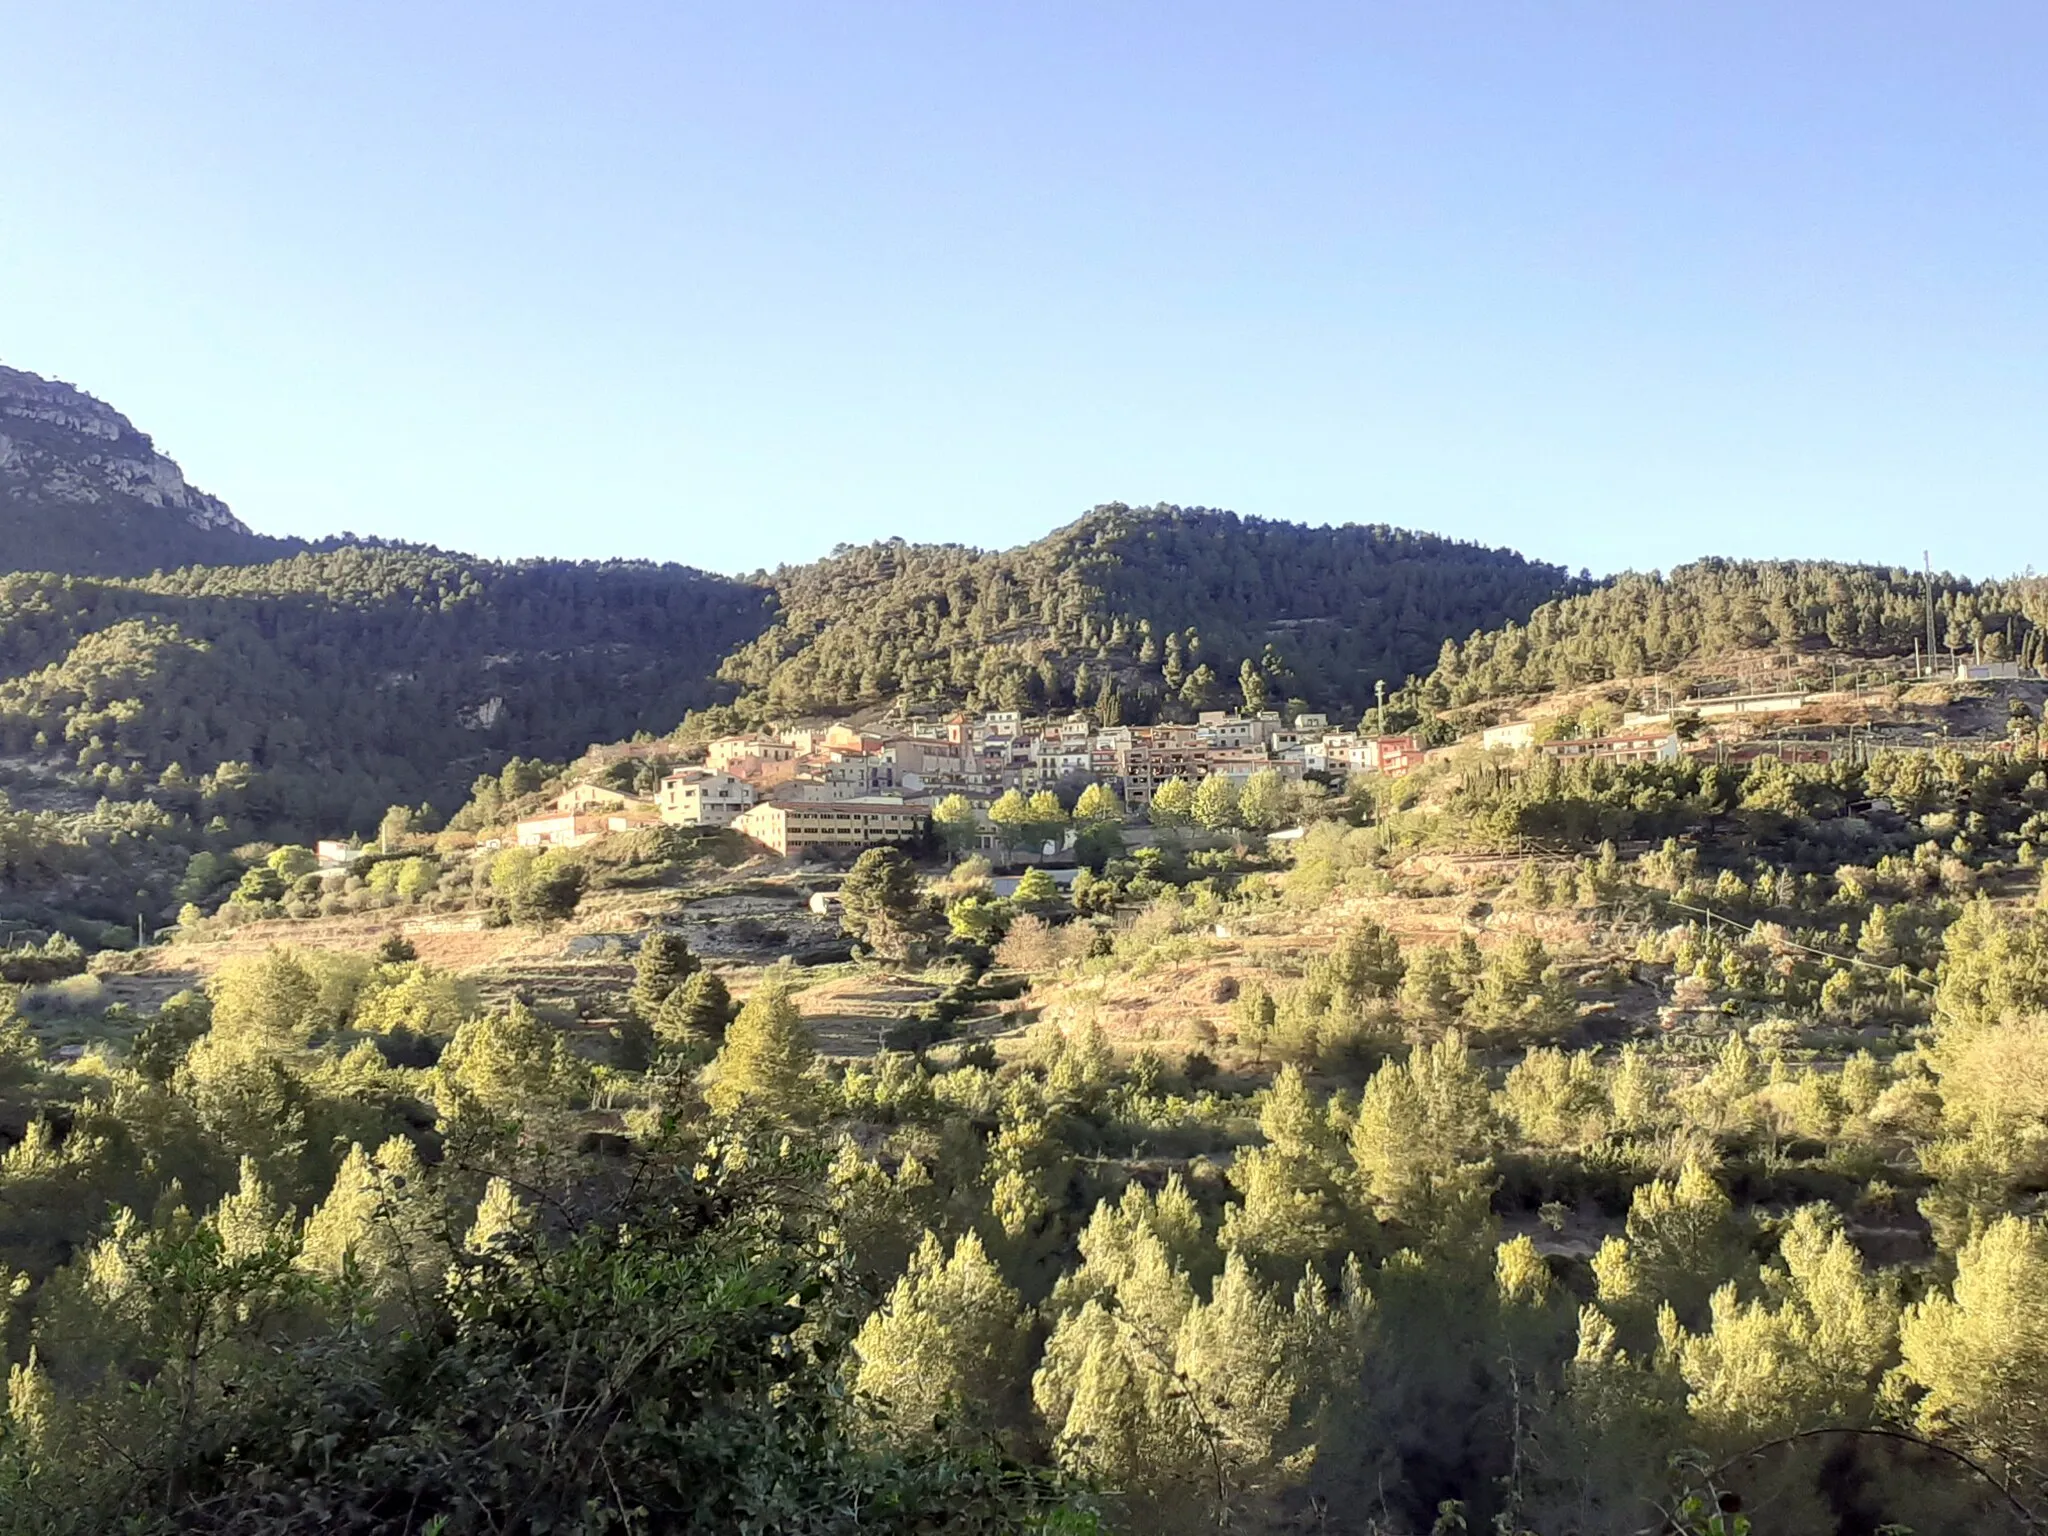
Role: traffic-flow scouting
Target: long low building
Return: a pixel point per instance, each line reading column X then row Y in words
column 789, row 826
column 572, row 829
column 1635, row 747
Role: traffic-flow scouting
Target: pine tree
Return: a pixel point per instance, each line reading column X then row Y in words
column 250, row 1221
column 501, row 1220
column 1254, row 1014
column 381, row 1214
column 1430, row 989
column 1026, row 1170
column 1294, row 1210
column 664, row 962
column 1254, row 1371
column 761, row 1069
column 1252, row 685
column 1808, row 1355
column 948, row 1343
column 20, row 1054
column 1681, row 1244
column 1976, row 1355
column 692, row 1019
column 511, row 1065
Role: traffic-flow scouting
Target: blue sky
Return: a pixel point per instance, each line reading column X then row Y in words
column 1615, row 284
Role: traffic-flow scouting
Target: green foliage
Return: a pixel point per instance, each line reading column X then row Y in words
column 692, row 1018
column 1173, row 805
column 948, row 1345
column 412, row 998
column 1636, row 623
column 954, row 819
column 662, row 964
column 1971, row 1355
column 761, row 1069
column 541, row 888
column 942, row 623
column 1215, row 805
column 364, row 660
column 1036, row 891
column 684, row 1342
column 1423, row 1125
column 508, row 1064
column 883, row 904
column 1099, row 805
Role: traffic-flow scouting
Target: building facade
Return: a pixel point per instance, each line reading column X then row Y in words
column 794, row 826
column 697, row 797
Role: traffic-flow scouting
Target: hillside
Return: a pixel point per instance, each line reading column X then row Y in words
column 1389, row 1173
column 1517, row 1140
column 1713, row 609
column 83, row 490
column 344, row 681
column 1123, row 609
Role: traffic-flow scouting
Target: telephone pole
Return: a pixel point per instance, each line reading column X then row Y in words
column 1927, row 590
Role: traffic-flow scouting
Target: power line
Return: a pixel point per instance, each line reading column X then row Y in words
column 1789, row 941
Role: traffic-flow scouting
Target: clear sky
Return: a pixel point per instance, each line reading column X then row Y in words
column 1616, row 284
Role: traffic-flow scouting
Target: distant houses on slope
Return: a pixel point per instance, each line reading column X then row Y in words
column 838, row 787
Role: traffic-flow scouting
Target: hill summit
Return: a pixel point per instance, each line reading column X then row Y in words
column 87, row 491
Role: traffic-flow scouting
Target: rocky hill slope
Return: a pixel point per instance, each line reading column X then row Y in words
column 83, row 490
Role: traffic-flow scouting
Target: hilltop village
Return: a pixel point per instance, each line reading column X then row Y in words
column 813, row 790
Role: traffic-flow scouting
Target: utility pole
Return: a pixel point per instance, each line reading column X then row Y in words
column 1927, row 588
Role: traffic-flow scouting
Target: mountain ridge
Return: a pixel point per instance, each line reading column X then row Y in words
column 334, row 678
column 87, row 491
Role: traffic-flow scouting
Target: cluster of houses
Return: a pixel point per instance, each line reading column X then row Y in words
column 841, row 787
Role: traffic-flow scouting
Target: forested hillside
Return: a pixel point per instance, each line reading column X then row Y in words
column 1136, row 611
column 1389, row 1180
column 1642, row 623
column 331, row 685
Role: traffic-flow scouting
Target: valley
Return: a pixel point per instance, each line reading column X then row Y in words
column 1192, row 1023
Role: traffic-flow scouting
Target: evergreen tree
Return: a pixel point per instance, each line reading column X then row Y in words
column 947, row 1344
column 1809, row 1355
column 380, row 1215
column 663, row 963
column 1252, row 685
column 510, row 1064
column 1295, row 1209
column 883, row 905
column 1421, row 1125
column 551, row 890
column 767, row 1052
column 502, row 1219
column 1974, row 1355
column 692, row 1019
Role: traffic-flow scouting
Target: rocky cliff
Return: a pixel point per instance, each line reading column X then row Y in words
column 82, row 489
